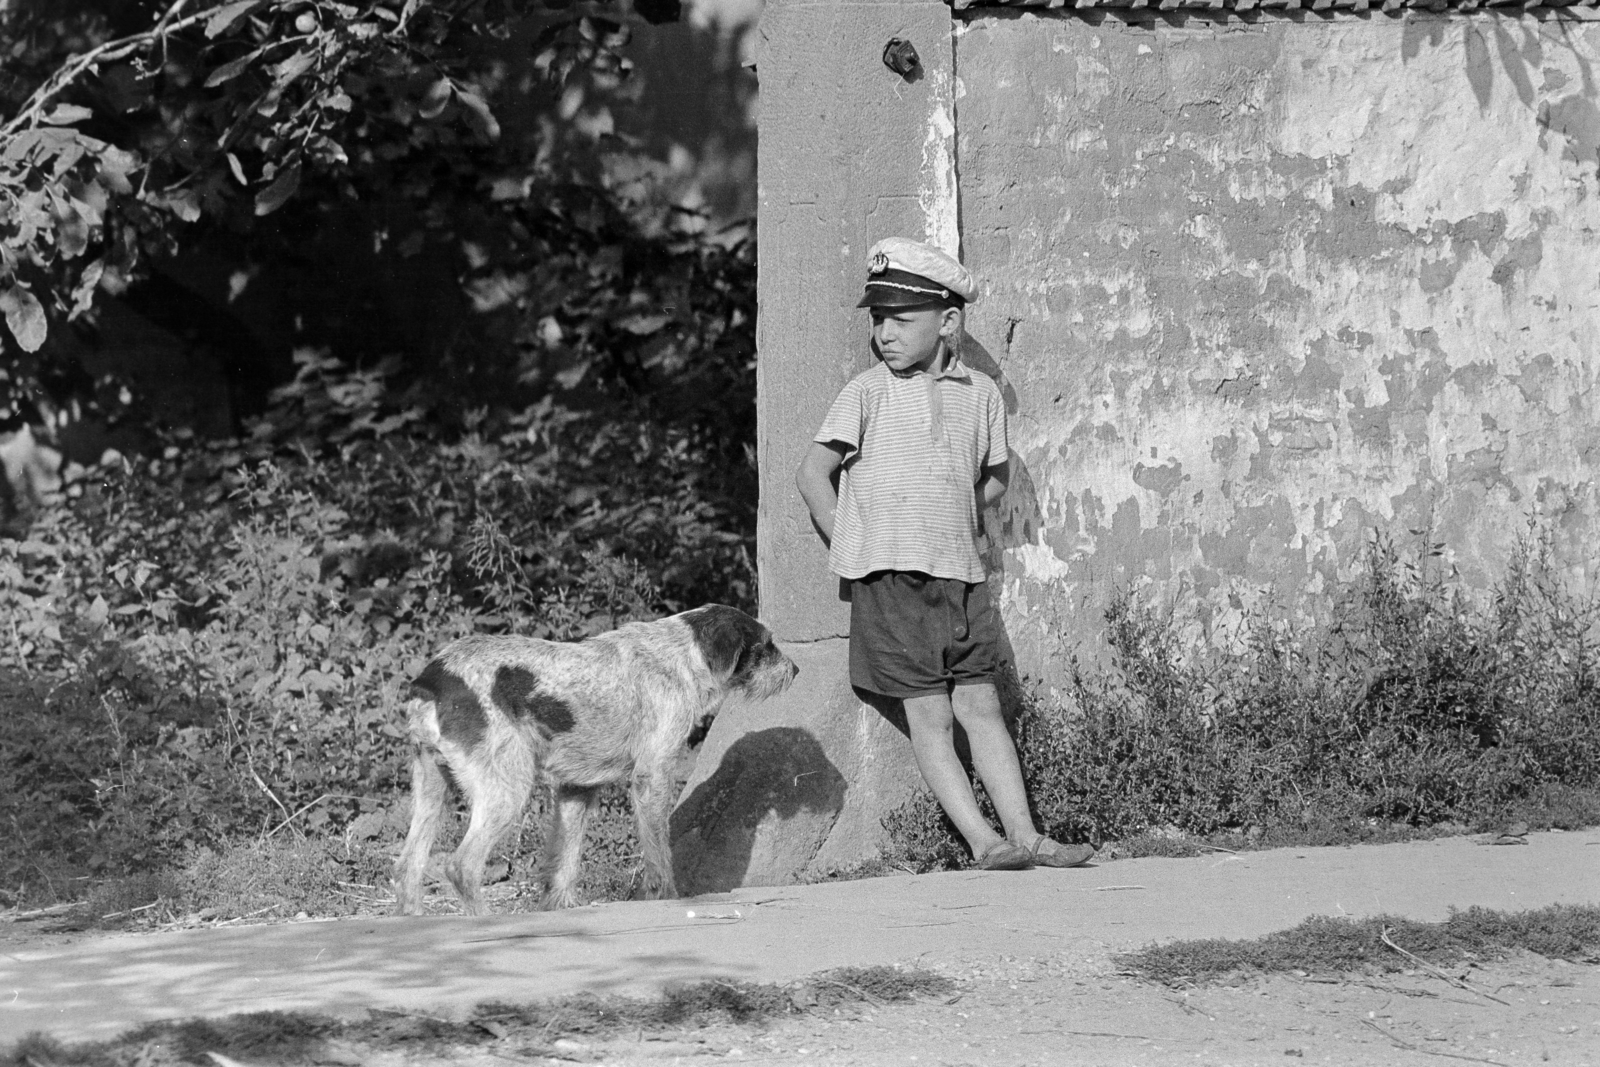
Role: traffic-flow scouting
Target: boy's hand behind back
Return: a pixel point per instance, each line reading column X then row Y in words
column 817, row 480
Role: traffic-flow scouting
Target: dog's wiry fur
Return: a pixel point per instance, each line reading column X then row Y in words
column 492, row 713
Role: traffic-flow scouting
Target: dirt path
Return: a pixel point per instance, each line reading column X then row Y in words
column 1032, row 952
column 1041, row 1012
column 1048, row 1011
column 1051, row 1019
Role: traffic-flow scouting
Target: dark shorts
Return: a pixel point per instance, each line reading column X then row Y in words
column 912, row 635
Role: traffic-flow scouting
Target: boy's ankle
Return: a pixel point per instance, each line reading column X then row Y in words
column 1003, row 855
column 982, row 845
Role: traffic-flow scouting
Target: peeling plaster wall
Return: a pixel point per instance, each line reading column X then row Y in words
column 1254, row 291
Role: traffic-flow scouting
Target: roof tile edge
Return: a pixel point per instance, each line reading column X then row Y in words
column 1286, row 7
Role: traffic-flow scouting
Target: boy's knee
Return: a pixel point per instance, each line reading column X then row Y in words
column 928, row 713
column 980, row 701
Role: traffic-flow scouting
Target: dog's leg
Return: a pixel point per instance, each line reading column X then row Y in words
column 651, row 793
column 497, row 800
column 428, row 793
column 563, row 845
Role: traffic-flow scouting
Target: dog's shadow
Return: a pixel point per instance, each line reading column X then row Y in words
column 780, row 772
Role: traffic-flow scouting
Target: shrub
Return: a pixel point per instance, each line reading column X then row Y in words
column 211, row 649
column 1414, row 707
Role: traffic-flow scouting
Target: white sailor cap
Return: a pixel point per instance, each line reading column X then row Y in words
column 906, row 273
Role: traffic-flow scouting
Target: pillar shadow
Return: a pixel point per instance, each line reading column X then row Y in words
column 781, row 771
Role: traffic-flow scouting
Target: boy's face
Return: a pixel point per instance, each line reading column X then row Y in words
column 908, row 338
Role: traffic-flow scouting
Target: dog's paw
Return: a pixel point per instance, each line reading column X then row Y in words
column 656, row 891
column 555, row 900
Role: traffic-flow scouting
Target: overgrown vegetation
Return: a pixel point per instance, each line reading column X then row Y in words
column 1330, row 945
column 204, row 654
column 1416, row 708
column 201, row 657
column 528, row 1029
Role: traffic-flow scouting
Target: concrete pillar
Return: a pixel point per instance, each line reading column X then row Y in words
column 850, row 152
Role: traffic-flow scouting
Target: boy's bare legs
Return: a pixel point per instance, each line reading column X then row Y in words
column 994, row 756
column 977, row 708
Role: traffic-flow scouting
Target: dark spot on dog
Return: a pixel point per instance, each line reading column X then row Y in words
column 698, row 732
column 516, row 691
column 461, row 717
column 512, row 687
column 723, row 635
column 755, row 657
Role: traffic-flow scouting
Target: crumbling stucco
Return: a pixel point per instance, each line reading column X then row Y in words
column 1257, row 290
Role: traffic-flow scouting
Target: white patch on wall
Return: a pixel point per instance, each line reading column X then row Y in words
column 936, row 191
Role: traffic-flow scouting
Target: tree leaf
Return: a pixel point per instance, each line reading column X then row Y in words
column 67, row 114
column 115, row 166
column 436, row 99
column 72, row 233
column 277, row 194
column 25, row 317
column 478, row 114
column 292, row 68
column 227, row 16
column 68, row 153
column 184, row 203
column 231, row 69
column 19, row 146
column 327, row 150
column 237, row 168
column 83, row 292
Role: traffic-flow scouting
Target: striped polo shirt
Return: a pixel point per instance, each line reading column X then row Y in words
column 919, row 443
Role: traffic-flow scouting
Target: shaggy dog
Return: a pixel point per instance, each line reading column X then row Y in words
column 491, row 713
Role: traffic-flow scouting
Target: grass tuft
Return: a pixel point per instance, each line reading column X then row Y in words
column 529, row 1028
column 259, row 1036
column 1329, row 945
column 736, row 1001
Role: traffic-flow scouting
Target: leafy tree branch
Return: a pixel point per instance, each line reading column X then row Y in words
column 222, row 110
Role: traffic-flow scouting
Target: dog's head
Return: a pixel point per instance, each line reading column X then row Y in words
column 739, row 651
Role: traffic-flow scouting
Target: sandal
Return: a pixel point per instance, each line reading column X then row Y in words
column 1004, row 856
column 1047, row 853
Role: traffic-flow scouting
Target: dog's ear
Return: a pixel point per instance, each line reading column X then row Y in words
column 722, row 635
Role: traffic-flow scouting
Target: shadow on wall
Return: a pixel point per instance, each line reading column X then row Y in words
column 780, row 772
column 1018, row 519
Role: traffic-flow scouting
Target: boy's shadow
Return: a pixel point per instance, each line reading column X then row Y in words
column 1019, row 518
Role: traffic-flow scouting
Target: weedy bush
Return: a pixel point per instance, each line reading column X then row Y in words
column 206, row 654
column 1416, row 707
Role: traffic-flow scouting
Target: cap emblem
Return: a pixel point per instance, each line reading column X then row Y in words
column 879, row 264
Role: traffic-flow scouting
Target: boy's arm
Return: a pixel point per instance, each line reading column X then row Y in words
column 815, row 479
column 992, row 483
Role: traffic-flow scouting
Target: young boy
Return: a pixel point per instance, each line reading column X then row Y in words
column 919, row 447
